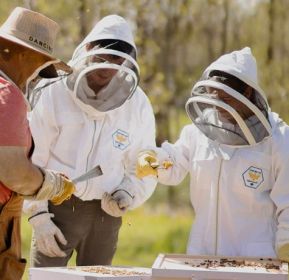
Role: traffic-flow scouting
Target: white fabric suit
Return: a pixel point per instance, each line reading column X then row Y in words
column 73, row 141
column 73, row 137
column 240, row 194
column 232, row 218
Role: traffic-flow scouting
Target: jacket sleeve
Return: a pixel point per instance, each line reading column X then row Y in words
column 140, row 189
column 280, row 191
column 32, row 207
column 179, row 155
column 44, row 130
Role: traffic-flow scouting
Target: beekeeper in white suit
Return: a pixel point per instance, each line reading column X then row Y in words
column 236, row 152
column 97, row 116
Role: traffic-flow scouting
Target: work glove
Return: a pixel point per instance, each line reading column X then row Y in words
column 282, row 240
column 55, row 187
column 117, row 203
column 148, row 164
column 46, row 235
column 283, row 252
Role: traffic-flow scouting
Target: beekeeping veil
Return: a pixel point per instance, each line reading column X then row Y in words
column 109, row 45
column 227, row 104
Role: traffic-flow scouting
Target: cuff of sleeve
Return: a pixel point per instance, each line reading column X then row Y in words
column 126, row 186
column 50, row 186
column 173, row 154
column 31, row 207
column 118, row 190
column 164, row 154
column 161, row 153
column 282, row 235
column 40, row 218
column 37, row 214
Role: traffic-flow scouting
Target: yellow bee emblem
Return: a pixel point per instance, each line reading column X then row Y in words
column 120, row 139
column 254, row 176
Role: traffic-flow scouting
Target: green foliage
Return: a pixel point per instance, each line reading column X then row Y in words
column 7, row 7
column 146, row 233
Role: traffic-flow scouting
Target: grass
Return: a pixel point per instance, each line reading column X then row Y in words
column 145, row 233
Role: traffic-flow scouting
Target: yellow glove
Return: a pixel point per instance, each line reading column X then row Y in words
column 55, row 187
column 68, row 189
column 167, row 164
column 283, row 253
column 147, row 163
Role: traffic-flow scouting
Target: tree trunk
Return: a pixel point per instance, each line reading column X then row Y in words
column 270, row 49
column 82, row 19
column 225, row 23
column 29, row 4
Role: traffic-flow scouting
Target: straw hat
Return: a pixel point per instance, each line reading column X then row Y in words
column 34, row 31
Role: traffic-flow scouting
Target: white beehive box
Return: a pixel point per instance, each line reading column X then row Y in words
column 90, row 273
column 177, row 266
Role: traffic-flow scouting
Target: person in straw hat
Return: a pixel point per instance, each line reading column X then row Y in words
column 26, row 48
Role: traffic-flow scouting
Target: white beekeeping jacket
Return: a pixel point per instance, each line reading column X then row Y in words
column 72, row 137
column 240, row 195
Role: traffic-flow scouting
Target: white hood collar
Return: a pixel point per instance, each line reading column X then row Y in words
column 110, row 27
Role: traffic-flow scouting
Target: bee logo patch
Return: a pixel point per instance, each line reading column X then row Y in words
column 253, row 177
column 120, row 139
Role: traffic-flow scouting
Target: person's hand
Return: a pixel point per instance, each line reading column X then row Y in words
column 67, row 189
column 46, row 235
column 55, row 187
column 283, row 252
column 116, row 204
column 147, row 163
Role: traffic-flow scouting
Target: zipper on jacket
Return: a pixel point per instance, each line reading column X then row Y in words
column 217, row 208
column 88, row 156
column 91, row 148
column 93, row 144
column 73, row 203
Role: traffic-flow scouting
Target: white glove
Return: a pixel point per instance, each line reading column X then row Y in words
column 46, row 233
column 117, row 203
